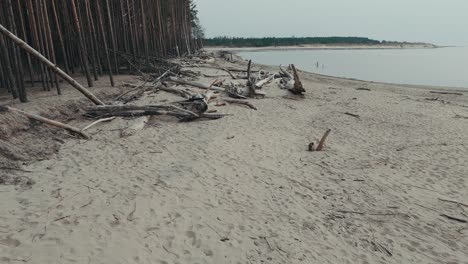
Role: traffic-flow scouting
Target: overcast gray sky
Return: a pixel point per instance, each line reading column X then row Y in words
column 443, row 22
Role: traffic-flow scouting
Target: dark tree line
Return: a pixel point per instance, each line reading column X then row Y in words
column 91, row 37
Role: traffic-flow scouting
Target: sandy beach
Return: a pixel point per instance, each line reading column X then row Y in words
column 390, row 186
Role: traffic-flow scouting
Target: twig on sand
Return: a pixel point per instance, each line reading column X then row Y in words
column 268, row 243
column 455, row 218
column 448, row 93
column 353, row 115
column 130, row 216
column 461, row 116
column 61, row 218
column 129, row 91
column 15, row 169
column 381, row 248
column 97, row 122
column 322, row 141
column 350, row 212
column 241, row 102
column 453, row 201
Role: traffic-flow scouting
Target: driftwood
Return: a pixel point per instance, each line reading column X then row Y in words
column 454, row 218
column 230, row 73
column 251, row 81
column 286, row 73
column 453, row 201
column 47, row 121
column 50, row 64
column 136, row 125
column 97, row 122
column 195, row 84
column 460, row 116
column 241, row 102
column 298, row 87
column 242, row 76
column 449, row 93
column 129, row 91
column 235, row 92
column 228, row 70
column 291, row 82
column 322, row 141
column 353, row 115
column 176, row 91
column 312, row 146
column 134, row 111
column 261, row 83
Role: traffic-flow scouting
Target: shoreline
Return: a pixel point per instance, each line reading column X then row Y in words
column 237, row 52
column 323, row 47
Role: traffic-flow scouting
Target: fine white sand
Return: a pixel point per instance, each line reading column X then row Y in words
column 244, row 189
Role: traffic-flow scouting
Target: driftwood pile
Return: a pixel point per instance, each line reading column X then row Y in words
column 194, row 106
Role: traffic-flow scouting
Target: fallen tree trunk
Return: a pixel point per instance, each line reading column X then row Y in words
column 47, row 121
column 134, row 110
column 195, row 84
column 149, row 110
column 50, row 64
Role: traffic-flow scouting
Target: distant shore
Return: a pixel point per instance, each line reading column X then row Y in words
column 323, row 47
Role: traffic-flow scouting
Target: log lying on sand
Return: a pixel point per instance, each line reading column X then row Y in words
column 50, row 64
column 195, row 84
column 134, row 111
column 147, row 110
column 47, row 121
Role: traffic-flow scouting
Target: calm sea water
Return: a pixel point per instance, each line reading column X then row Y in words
column 432, row 67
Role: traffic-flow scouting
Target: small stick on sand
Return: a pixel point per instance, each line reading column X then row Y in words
column 453, row 201
column 450, row 93
column 230, row 73
column 97, row 122
column 241, row 102
column 454, row 218
column 322, row 141
column 353, row 115
column 350, row 212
